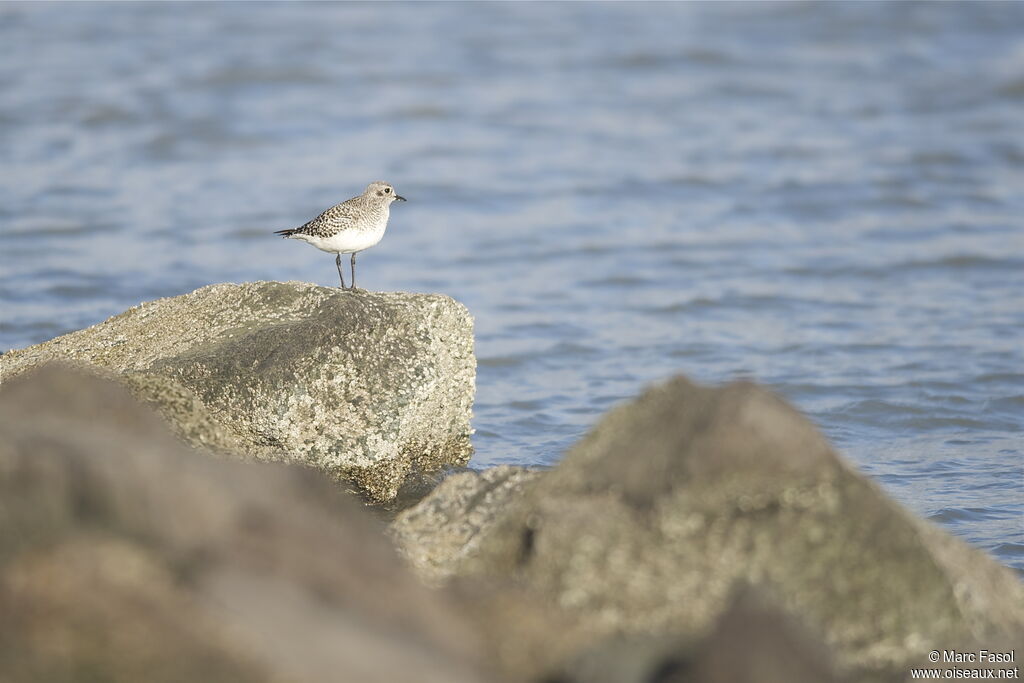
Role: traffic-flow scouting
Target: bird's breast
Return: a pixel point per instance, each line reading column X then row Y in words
column 348, row 241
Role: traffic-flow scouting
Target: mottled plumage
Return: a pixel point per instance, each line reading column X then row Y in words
column 350, row 227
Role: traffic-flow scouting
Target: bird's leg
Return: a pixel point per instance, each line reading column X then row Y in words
column 337, row 262
column 353, row 271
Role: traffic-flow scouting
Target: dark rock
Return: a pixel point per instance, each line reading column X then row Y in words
column 753, row 642
column 126, row 557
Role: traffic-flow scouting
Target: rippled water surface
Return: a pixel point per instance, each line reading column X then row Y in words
column 825, row 198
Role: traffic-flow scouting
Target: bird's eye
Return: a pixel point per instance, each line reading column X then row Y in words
column 387, row 190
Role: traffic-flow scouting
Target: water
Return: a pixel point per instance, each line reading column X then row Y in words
column 826, row 198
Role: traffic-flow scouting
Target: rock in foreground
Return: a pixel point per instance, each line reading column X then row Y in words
column 365, row 386
column 680, row 498
column 125, row 557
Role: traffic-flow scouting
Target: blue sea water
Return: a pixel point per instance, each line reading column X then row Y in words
column 825, row 198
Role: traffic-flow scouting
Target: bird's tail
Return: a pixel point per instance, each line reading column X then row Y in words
column 285, row 233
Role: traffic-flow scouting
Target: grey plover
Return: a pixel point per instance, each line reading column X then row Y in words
column 350, row 227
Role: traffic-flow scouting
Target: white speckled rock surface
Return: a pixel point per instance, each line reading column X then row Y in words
column 362, row 385
column 435, row 535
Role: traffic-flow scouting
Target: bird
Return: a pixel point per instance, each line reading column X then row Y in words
column 350, row 227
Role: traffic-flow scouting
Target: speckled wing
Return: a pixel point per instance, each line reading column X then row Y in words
column 330, row 222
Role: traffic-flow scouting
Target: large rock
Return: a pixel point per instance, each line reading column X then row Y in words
column 649, row 525
column 365, row 386
column 126, row 557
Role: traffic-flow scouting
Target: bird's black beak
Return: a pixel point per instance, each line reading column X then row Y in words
column 399, row 198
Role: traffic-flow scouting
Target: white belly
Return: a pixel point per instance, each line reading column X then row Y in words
column 347, row 241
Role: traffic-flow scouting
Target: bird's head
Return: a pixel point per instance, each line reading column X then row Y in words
column 381, row 191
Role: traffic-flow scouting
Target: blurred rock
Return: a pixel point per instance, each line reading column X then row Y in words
column 434, row 535
column 674, row 499
column 753, row 642
column 126, row 557
column 775, row 649
column 365, row 386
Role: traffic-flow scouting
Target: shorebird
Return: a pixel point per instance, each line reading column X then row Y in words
column 350, row 227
